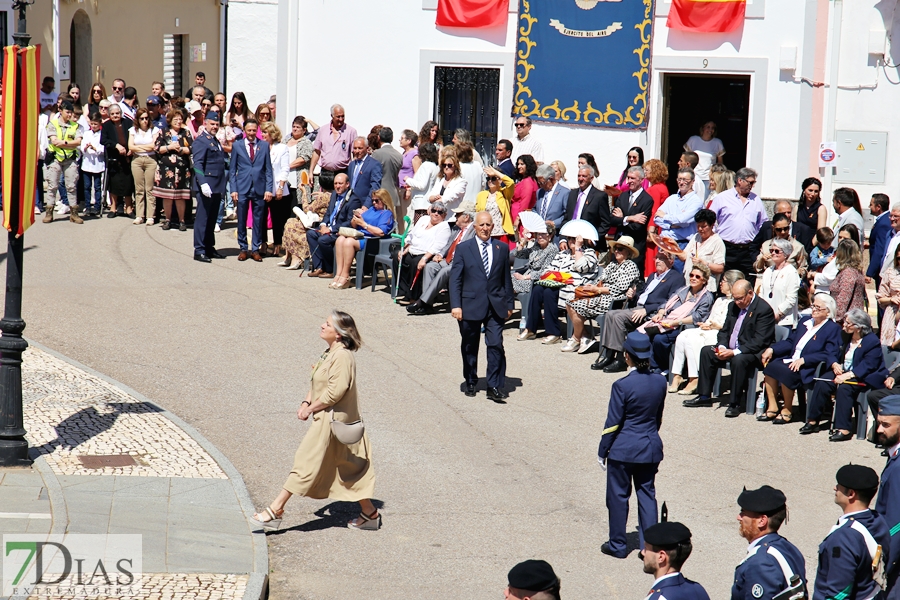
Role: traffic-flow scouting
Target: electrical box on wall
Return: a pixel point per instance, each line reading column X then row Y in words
column 862, row 156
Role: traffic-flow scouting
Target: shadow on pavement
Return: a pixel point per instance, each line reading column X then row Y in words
column 336, row 514
column 88, row 422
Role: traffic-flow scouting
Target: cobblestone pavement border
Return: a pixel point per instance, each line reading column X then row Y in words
column 256, row 584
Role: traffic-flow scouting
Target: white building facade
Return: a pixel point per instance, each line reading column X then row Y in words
column 796, row 74
column 251, row 48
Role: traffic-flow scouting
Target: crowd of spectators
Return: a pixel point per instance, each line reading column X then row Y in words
column 683, row 267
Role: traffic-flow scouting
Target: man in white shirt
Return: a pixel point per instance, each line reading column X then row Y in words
column 48, row 96
column 118, row 91
column 525, row 142
column 843, row 202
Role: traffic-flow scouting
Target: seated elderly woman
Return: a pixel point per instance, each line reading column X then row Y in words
column 426, row 238
column 296, row 246
column 781, row 228
column 690, row 305
column 704, row 248
column 617, row 278
column 858, row 366
column 375, row 222
column 578, row 260
column 690, row 341
column 539, row 253
column 792, row 363
column 779, row 284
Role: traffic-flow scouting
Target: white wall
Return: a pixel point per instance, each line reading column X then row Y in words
column 384, row 81
column 252, row 48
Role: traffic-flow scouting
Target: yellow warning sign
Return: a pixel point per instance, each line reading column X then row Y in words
column 860, row 147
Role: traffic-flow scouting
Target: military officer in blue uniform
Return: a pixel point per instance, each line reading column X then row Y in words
column 631, row 449
column 210, row 171
column 666, row 547
column 888, row 504
column 772, row 564
column 852, row 554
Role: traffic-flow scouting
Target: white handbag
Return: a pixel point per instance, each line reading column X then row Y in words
column 347, row 433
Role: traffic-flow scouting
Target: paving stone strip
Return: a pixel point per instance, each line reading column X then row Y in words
column 170, row 586
column 70, row 413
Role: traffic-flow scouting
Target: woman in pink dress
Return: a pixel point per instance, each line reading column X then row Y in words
column 635, row 158
column 656, row 173
column 525, row 193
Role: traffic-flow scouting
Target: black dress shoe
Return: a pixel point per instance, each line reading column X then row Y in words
column 215, row 254
column 470, row 390
column 617, row 366
column 414, row 306
column 602, row 363
column 496, row 394
column 809, row 428
column 733, row 411
column 605, row 550
column 424, row 309
column 698, row 402
column 202, row 258
column 837, row 436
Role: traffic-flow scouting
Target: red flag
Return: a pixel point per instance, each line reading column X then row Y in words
column 706, row 16
column 472, row 13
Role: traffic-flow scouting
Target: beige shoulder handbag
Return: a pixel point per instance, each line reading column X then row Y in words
column 347, row 433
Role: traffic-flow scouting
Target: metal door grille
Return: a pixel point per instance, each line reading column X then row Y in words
column 173, row 63
column 468, row 98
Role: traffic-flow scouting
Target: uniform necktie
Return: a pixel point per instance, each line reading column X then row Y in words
column 485, row 259
column 252, row 151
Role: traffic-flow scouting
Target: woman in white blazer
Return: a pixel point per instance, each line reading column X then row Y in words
column 780, row 283
column 451, row 187
column 419, row 185
column 280, row 205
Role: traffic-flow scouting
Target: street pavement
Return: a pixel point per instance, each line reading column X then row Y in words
column 109, row 461
column 468, row 488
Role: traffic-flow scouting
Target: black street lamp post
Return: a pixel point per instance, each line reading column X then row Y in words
column 13, row 445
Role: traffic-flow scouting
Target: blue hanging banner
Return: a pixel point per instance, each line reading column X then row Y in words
column 584, row 62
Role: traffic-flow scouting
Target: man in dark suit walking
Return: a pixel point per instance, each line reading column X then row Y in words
column 364, row 173
column 481, row 295
column 748, row 330
column 209, row 168
column 632, row 211
column 588, row 203
column 252, row 182
column 338, row 214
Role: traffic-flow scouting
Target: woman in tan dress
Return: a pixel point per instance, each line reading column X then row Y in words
column 323, row 466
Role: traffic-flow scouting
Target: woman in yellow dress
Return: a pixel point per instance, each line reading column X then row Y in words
column 323, row 466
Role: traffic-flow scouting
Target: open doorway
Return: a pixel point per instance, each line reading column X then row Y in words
column 81, row 51
column 690, row 101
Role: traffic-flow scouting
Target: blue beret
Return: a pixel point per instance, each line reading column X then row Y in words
column 533, row 576
column 214, row 115
column 889, row 406
column 667, row 535
column 857, row 477
column 766, row 500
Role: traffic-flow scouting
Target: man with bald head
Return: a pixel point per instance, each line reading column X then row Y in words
column 590, row 204
column 799, row 231
column 338, row 214
column 331, row 150
column 364, row 171
column 481, row 295
column 748, row 330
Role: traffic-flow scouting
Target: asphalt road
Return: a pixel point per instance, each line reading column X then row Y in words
column 469, row 487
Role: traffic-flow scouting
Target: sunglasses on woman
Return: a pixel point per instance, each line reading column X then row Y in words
column 449, row 166
column 438, row 212
column 493, row 179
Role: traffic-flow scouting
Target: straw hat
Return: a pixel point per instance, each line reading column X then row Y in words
column 626, row 242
